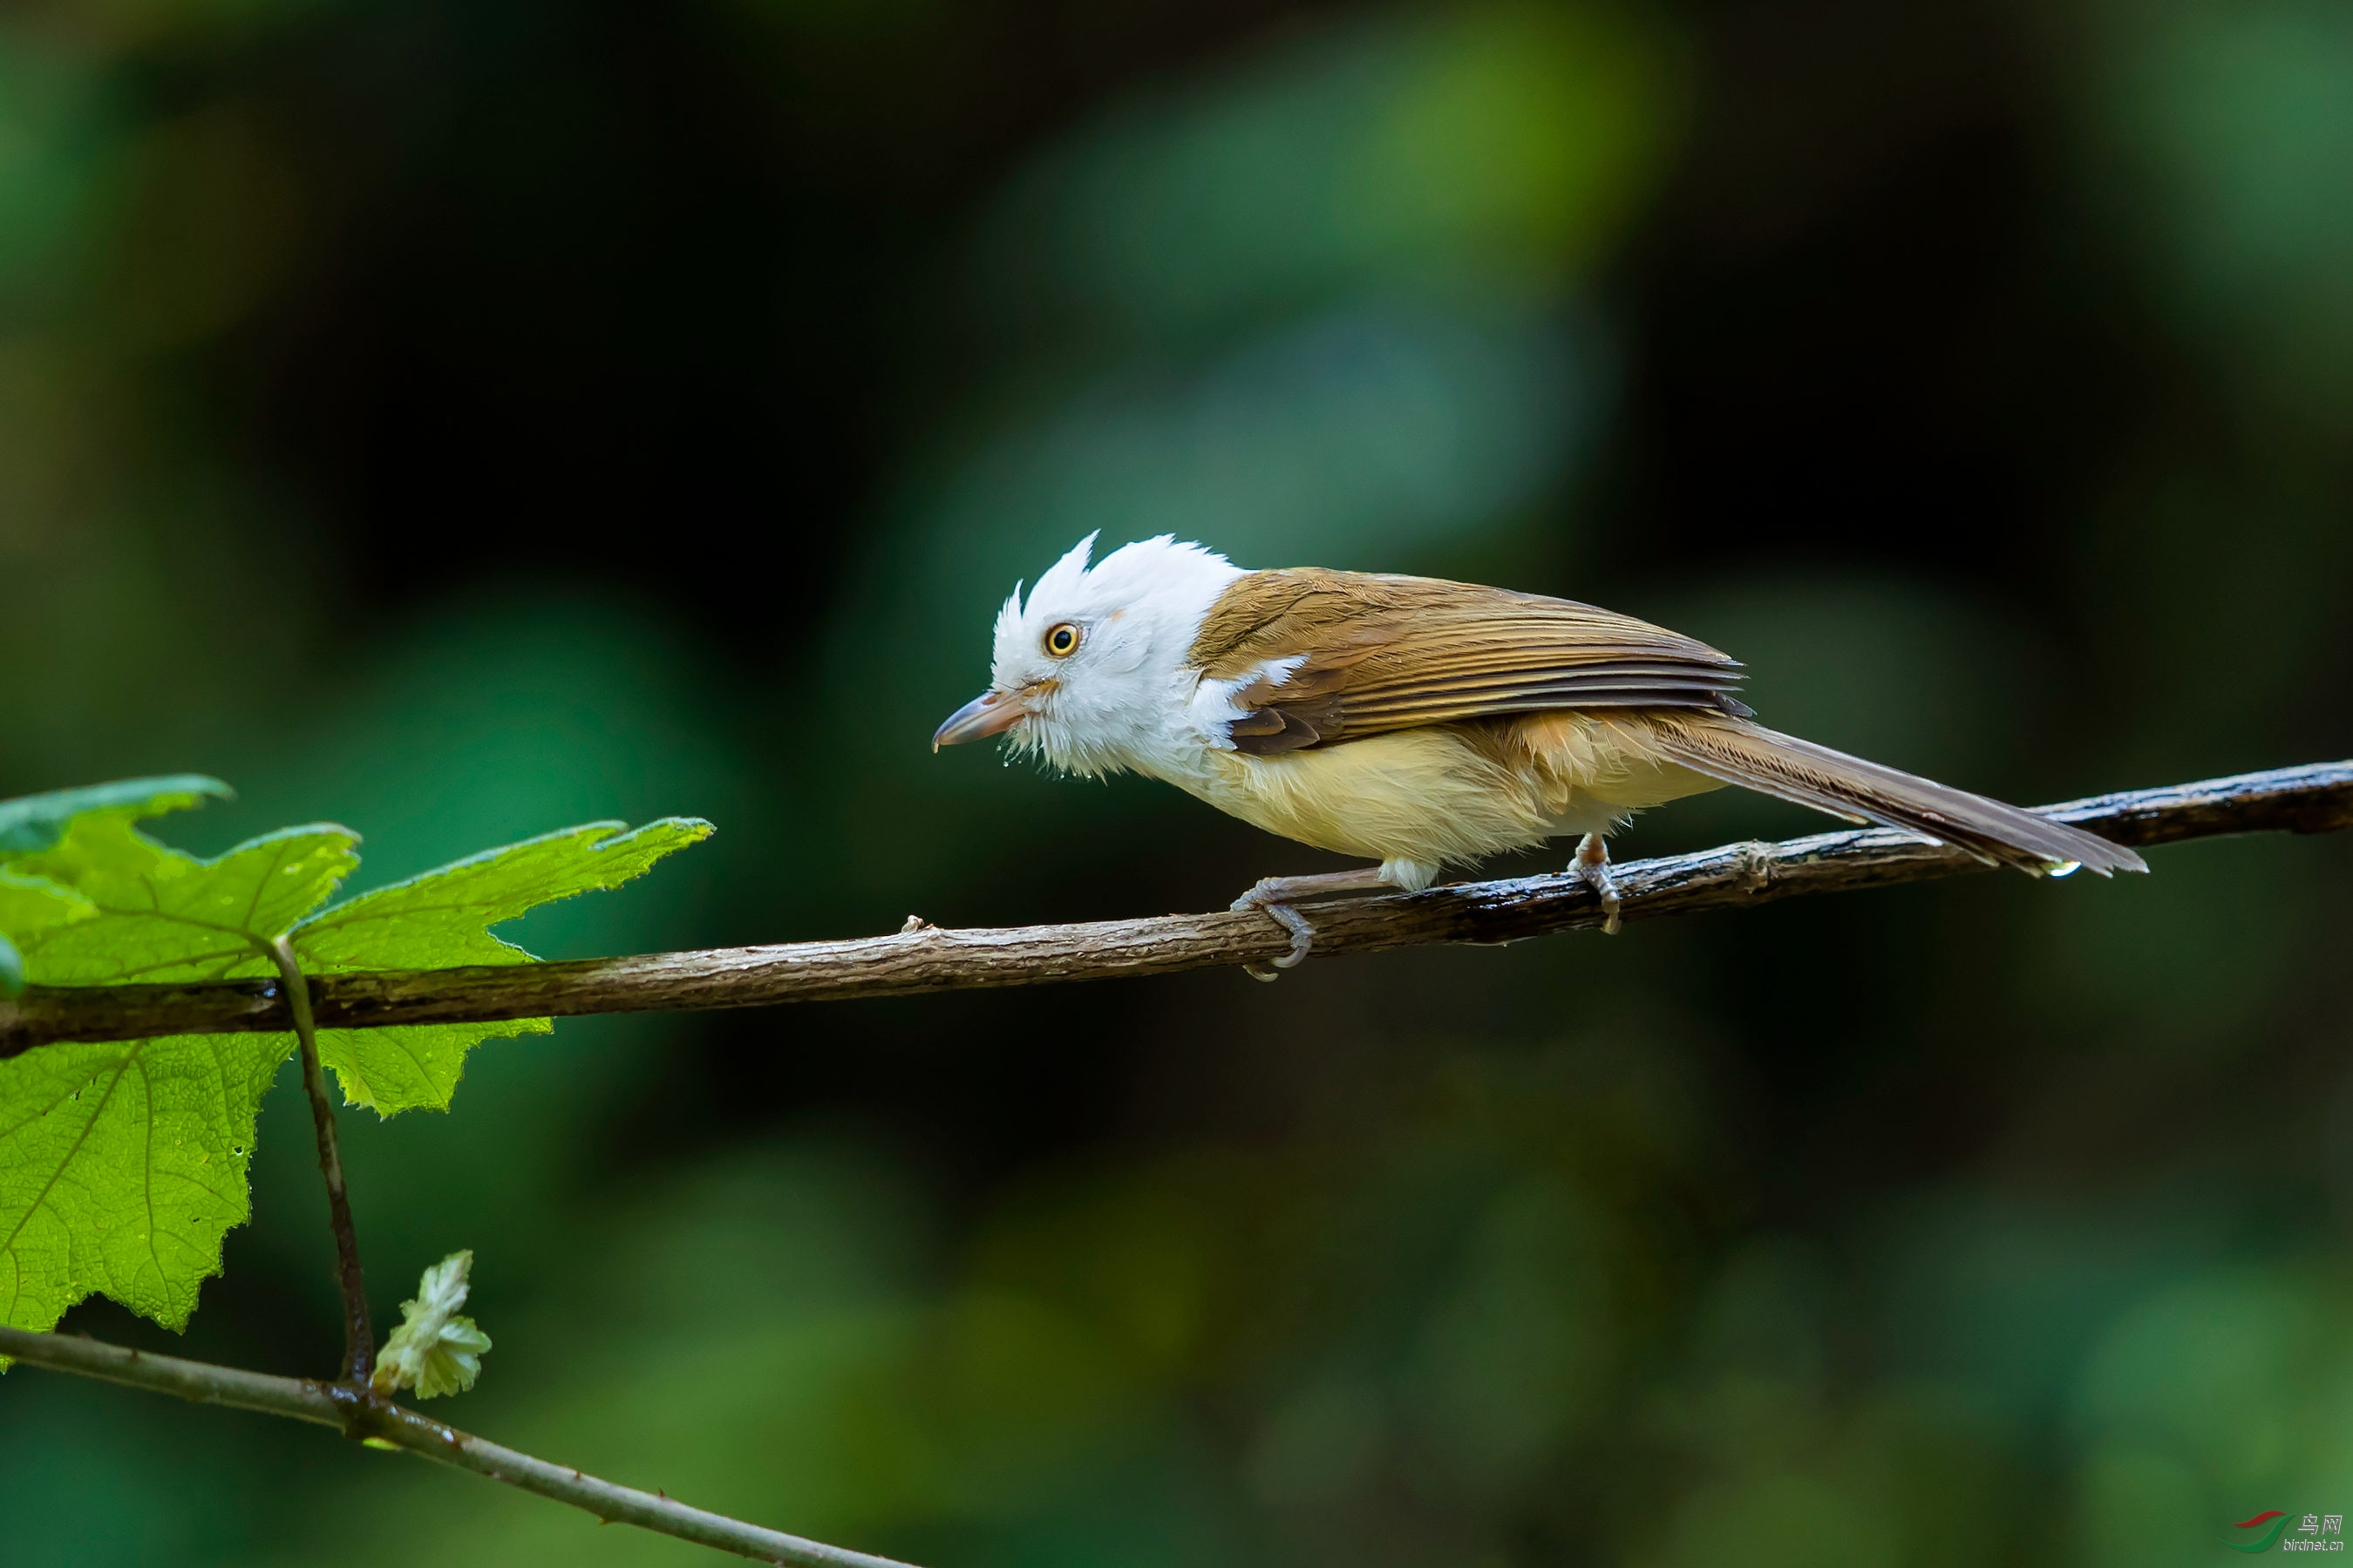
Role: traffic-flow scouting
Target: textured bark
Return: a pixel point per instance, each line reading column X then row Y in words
column 2317, row 798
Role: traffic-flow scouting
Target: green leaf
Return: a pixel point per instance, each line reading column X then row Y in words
column 442, row 919
column 121, row 1166
column 33, row 823
column 162, row 914
column 410, row 1067
column 28, row 904
column 434, row 1350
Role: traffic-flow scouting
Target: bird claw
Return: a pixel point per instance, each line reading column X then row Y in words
column 1303, row 936
column 1591, row 867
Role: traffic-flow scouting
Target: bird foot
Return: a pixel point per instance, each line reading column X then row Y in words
column 1591, row 867
column 1268, row 896
column 1276, row 895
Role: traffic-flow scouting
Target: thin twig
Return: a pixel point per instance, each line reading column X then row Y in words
column 2317, row 798
column 385, row 1424
column 359, row 1336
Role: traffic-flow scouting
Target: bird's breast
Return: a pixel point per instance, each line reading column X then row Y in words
column 1446, row 793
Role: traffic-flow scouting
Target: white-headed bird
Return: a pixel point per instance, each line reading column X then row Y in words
column 1420, row 723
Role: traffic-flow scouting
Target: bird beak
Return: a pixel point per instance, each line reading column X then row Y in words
column 990, row 713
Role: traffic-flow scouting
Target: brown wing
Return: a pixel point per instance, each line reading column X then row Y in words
column 1391, row 652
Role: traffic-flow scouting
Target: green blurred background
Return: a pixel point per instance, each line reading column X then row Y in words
column 461, row 419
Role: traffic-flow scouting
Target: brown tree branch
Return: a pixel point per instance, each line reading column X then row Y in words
column 2317, row 798
column 353, row 1412
column 2313, row 799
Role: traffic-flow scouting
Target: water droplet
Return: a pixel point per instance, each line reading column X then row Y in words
column 2066, row 868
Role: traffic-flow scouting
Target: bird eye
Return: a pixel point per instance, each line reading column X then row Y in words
column 1062, row 641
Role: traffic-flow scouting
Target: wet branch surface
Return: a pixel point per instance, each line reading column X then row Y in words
column 2316, row 798
column 352, row 1410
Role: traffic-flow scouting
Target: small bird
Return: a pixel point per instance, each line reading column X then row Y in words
column 1420, row 723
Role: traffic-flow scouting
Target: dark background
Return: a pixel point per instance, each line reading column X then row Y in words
column 462, row 420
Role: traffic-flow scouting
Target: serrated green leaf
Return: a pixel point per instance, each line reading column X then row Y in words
column 30, row 824
column 442, row 919
column 121, row 1166
column 410, row 1067
column 162, row 914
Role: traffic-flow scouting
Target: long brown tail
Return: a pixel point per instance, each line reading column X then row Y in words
column 1799, row 771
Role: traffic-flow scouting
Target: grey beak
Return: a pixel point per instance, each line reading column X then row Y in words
column 990, row 713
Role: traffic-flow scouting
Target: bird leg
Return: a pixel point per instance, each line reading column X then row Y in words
column 1275, row 895
column 1591, row 867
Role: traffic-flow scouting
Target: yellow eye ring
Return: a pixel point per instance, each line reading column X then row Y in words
column 1062, row 640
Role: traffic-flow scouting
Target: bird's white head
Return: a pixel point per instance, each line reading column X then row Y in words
column 1090, row 669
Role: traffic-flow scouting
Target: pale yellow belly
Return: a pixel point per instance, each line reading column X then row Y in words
column 1450, row 793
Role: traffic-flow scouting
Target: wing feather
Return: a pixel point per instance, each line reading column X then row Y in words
column 1793, row 769
column 1364, row 654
